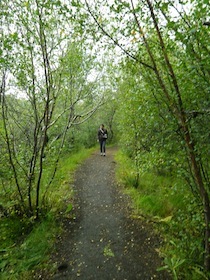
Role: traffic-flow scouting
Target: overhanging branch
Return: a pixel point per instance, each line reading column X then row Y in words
column 115, row 41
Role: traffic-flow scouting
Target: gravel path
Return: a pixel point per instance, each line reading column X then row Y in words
column 104, row 242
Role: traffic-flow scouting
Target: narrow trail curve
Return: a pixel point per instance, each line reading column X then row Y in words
column 104, row 242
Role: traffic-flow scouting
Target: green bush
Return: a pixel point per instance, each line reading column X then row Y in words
column 25, row 244
column 169, row 202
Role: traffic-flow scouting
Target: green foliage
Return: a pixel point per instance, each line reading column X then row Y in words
column 54, row 200
column 172, row 265
column 184, row 238
column 26, row 244
column 166, row 161
column 168, row 201
column 141, row 109
column 155, row 195
column 49, row 92
column 108, row 251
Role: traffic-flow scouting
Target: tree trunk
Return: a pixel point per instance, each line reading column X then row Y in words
column 181, row 117
column 204, row 197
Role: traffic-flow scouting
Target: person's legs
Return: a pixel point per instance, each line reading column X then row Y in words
column 101, row 147
column 104, row 147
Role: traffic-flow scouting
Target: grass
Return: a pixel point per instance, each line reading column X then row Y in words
column 177, row 214
column 155, row 195
column 26, row 245
column 61, row 195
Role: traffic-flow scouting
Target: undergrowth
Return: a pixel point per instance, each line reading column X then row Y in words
column 25, row 245
column 176, row 213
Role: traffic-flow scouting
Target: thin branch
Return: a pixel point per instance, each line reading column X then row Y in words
column 8, row 140
column 115, row 41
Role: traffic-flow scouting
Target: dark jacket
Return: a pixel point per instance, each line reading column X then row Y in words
column 102, row 134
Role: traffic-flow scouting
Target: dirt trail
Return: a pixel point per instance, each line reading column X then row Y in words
column 104, row 242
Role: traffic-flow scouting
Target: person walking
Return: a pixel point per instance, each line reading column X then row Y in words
column 102, row 137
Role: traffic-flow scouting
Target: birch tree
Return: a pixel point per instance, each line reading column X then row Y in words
column 164, row 37
column 43, row 88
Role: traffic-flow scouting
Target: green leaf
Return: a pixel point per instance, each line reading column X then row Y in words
column 108, row 252
column 69, row 208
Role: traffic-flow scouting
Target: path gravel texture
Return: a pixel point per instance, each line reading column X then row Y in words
column 104, row 242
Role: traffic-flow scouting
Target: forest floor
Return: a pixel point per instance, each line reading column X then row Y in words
column 104, row 241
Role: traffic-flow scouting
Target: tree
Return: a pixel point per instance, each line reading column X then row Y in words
column 43, row 91
column 156, row 34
